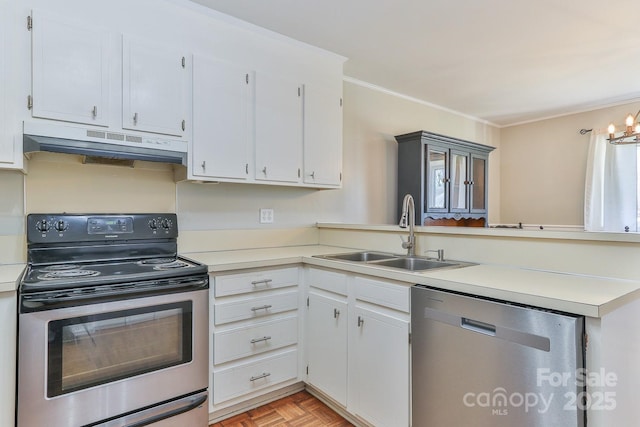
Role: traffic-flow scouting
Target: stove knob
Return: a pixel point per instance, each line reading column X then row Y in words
column 61, row 225
column 43, row 225
column 153, row 224
column 166, row 223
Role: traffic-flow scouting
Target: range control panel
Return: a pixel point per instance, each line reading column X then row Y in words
column 51, row 228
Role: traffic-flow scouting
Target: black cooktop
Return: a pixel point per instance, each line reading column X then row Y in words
column 65, row 275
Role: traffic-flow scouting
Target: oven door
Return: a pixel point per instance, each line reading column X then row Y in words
column 84, row 364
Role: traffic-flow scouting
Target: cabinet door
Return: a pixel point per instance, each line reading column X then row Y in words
column 278, row 128
column 327, row 346
column 155, row 87
column 7, row 154
column 478, row 184
column 221, row 131
column 70, row 71
column 458, row 182
column 436, row 179
column 323, row 133
column 381, row 364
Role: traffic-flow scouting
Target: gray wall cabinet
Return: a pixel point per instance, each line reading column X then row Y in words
column 446, row 176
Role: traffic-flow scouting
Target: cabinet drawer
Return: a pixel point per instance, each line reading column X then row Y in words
column 242, row 379
column 243, row 283
column 386, row 294
column 331, row 281
column 246, row 341
column 255, row 307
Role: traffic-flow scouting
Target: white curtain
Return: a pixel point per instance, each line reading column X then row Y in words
column 611, row 187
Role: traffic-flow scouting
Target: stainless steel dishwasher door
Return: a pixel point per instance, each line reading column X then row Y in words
column 478, row 362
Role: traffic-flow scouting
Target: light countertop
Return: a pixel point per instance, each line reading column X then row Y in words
column 9, row 274
column 584, row 295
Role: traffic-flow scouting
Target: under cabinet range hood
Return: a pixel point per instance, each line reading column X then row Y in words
column 102, row 144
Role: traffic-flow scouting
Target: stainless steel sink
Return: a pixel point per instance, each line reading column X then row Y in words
column 386, row 260
column 416, row 263
column 363, row 256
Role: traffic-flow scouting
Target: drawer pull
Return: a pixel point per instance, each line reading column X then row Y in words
column 336, row 313
column 265, row 338
column 260, row 282
column 262, row 375
column 262, row 307
column 360, row 321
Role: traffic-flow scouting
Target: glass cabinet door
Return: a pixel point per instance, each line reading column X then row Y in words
column 478, row 184
column 459, row 182
column 436, row 179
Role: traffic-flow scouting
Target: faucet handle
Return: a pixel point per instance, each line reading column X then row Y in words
column 440, row 253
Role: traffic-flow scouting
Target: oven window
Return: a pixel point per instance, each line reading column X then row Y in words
column 92, row 350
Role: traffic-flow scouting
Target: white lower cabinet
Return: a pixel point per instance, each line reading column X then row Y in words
column 254, row 326
column 355, row 337
column 380, row 367
column 326, row 334
column 357, row 345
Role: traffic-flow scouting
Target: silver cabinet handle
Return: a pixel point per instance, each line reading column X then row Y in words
column 204, row 165
column 313, row 175
column 263, row 281
column 262, row 307
column 184, row 125
column 264, row 170
column 262, row 375
column 135, row 118
column 255, row 340
column 336, row 313
column 360, row 321
column 94, row 112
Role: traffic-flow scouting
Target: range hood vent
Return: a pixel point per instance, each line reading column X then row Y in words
column 101, row 144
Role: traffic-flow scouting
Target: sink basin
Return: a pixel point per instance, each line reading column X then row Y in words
column 360, row 256
column 416, row 264
column 381, row 259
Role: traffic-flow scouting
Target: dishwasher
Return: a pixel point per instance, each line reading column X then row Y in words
column 487, row 363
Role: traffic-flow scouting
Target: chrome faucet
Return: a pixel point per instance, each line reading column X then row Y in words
column 408, row 218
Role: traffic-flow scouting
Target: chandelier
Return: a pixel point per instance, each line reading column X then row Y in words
column 631, row 134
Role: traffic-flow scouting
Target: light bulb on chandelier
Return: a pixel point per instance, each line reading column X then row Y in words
column 631, row 134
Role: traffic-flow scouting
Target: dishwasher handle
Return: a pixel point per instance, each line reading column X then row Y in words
column 506, row 333
column 478, row 326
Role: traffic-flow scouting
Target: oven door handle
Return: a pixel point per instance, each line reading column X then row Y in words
column 60, row 299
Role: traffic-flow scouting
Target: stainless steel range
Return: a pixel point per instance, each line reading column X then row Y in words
column 112, row 324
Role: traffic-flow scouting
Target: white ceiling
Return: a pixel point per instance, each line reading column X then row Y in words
column 503, row 61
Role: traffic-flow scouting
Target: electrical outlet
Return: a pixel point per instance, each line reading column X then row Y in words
column 266, row 216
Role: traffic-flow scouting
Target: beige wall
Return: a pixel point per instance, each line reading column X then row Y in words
column 372, row 118
column 12, row 247
column 543, row 167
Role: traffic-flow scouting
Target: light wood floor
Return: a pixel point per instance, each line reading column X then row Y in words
column 298, row 410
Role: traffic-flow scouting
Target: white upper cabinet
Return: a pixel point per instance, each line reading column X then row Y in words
column 10, row 152
column 155, row 87
column 278, row 121
column 222, row 129
column 70, row 70
column 323, row 133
